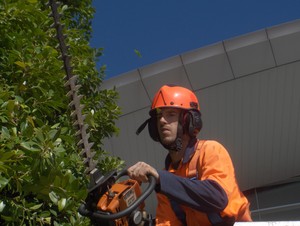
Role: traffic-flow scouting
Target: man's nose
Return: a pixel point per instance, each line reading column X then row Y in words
column 162, row 120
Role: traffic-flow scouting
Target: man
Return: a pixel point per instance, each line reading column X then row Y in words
column 198, row 185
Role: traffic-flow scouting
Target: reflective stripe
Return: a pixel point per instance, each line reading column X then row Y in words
column 193, row 164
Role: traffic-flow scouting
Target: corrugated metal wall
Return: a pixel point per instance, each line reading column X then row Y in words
column 248, row 88
column 257, row 118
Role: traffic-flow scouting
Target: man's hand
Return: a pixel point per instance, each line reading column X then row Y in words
column 140, row 170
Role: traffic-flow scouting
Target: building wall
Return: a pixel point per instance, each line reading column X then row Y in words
column 257, row 118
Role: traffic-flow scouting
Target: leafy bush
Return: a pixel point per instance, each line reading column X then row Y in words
column 41, row 174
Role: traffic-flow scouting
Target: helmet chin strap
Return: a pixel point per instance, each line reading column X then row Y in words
column 176, row 145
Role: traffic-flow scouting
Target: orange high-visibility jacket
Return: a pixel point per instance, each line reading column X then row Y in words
column 203, row 187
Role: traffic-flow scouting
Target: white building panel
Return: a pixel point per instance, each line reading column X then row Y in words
column 168, row 71
column 132, row 95
column 249, row 53
column 285, row 42
column 257, row 118
column 207, row 66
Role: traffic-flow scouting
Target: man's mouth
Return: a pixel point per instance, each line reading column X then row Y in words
column 165, row 131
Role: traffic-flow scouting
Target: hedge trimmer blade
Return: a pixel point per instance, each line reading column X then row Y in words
column 76, row 108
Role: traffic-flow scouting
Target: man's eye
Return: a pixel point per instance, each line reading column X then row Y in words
column 172, row 114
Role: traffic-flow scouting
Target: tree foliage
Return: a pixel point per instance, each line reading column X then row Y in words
column 41, row 174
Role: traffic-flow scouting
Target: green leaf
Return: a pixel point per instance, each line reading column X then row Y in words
column 2, row 206
column 10, row 105
column 53, row 197
column 30, row 146
column 23, row 126
column 14, row 130
column 30, row 120
column 7, row 155
column 138, row 53
column 53, row 212
column 61, row 204
column 55, row 126
column 72, row 220
column 3, row 119
column 4, row 133
column 39, row 135
column 21, row 64
column 47, row 219
column 45, row 214
column 57, row 181
column 65, row 7
column 19, row 99
column 3, row 182
column 53, row 134
column 7, row 218
column 35, row 207
column 90, row 120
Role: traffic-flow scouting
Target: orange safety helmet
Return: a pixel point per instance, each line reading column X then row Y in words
column 175, row 96
column 178, row 97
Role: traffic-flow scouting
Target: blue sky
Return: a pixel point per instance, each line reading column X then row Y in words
column 160, row 29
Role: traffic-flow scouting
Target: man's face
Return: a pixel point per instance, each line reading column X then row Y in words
column 167, row 123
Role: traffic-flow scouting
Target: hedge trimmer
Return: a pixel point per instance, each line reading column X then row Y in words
column 108, row 202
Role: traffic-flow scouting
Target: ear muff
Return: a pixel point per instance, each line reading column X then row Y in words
column 152, row 128
column 192, row 122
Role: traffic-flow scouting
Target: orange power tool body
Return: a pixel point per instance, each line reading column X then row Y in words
column 118, row 203
column 119, row 197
